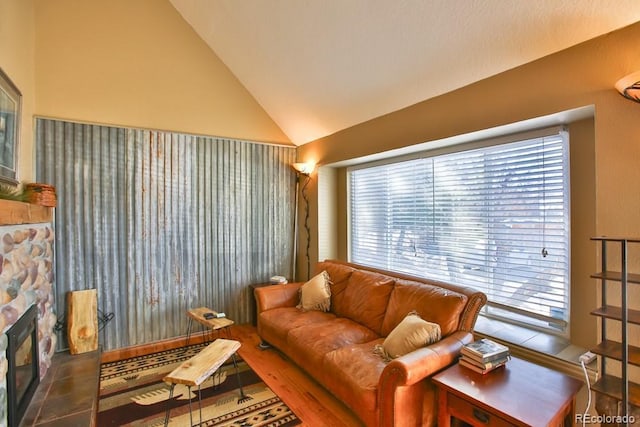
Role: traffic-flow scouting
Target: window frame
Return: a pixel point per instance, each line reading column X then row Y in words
column 492, row 309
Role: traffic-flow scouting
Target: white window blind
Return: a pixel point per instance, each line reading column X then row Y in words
column 494, row 218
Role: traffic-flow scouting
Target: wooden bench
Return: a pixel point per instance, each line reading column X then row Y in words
column 195, row 371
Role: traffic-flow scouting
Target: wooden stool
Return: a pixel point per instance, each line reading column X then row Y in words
column 194, row 371
column 215, row 324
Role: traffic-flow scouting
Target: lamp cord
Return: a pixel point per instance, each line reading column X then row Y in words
column 307, row 178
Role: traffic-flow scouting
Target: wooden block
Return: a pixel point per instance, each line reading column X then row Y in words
column 200, row 367
column 82, row 321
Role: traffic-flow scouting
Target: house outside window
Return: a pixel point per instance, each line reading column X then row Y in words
column 495, row 218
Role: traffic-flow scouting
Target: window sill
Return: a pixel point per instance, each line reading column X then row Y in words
column 536, row 346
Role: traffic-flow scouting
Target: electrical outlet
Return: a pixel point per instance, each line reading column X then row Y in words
column 587, row 357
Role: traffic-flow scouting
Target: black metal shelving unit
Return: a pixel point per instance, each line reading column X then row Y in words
column 617, row 387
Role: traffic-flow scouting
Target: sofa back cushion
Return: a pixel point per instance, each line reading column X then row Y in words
column 432, row 303
column 338, row 273
column 364, row 298
column 338, row 276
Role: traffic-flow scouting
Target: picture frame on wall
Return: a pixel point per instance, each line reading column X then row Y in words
column 10, row 109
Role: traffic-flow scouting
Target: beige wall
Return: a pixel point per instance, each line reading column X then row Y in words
column 583, row 198
column 605, row 186
column 17, row 59
column 128, row 63
column 138, row 63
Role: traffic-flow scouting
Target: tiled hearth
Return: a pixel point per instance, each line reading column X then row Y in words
column 68, row 395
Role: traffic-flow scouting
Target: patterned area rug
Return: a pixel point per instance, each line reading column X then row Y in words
column 132, row 393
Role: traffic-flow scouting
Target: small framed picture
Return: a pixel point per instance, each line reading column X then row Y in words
column 10, row 107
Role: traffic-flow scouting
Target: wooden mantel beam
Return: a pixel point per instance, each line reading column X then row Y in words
column 13, row 213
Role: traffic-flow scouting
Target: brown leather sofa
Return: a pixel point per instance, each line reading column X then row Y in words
column 337, row 347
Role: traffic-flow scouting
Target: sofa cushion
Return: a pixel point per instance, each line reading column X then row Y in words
column 308, row 344
column 276, row 323
column 432, row 303
column 410, row 334
column 316, row 294
column 364, row 299
column 352, row 373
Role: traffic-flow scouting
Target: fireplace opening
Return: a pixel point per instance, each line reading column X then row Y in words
column 23, row 374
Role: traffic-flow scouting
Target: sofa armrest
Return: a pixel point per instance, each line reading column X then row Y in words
column 274, row 296
column 419, row 364
column 408, row 371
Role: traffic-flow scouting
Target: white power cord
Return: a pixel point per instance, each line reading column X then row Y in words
column 586, row 377
column 587, row 357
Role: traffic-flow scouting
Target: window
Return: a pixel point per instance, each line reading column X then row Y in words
column 495, row 218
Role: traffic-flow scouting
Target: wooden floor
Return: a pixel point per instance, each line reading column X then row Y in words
column 312, row 403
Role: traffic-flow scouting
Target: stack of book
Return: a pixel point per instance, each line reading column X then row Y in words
column 484, row 355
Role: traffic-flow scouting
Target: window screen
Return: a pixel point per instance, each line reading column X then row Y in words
column 494, row 218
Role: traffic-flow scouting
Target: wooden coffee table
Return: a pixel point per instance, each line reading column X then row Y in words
column 215, row 324
column 520, row 393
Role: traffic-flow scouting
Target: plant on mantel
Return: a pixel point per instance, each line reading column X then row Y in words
column 13, row 192
column 35, row 193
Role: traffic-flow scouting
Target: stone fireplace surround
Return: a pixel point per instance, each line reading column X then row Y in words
column 26, row 278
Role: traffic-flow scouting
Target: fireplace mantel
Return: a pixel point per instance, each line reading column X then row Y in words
column 15, row 213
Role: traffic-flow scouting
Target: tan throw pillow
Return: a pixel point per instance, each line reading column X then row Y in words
column 411, row 333
column 316, row 293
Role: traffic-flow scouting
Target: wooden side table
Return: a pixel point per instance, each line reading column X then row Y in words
column 214, row 324
column 520, row 393
column 254, row 306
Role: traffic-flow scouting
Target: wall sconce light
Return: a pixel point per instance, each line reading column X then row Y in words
column 629, row 86
column 303, row 170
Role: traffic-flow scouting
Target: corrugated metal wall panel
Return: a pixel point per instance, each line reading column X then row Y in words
column 159, row 222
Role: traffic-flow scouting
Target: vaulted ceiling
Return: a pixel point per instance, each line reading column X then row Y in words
column 320, row 66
